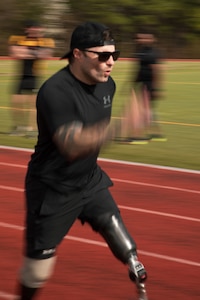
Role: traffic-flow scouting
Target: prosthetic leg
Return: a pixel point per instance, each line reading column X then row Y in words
column 124, row 248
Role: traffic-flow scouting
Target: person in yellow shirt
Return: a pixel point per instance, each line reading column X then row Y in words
column 30, row 49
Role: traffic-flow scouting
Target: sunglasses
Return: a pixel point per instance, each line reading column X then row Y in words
column 104, row 56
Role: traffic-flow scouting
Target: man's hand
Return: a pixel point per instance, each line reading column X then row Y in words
column 74, row 140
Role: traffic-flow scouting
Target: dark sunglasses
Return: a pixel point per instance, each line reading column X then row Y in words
column 104, row 56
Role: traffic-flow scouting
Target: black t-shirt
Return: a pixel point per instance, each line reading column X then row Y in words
column 147, row 56
column 63, row 99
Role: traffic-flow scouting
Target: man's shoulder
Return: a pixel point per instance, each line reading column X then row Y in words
column 64, row 80
column 22, row 40
column 15, row 39
column 58, row 82
column 61, row 76
column 46, row 42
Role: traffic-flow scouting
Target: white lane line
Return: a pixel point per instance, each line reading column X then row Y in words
column 147, row 211
column 10, row 188
column 128, row 182
column 7, row 296
column 118, row 162
column 102, row 244
column 156, row 186
column 13, row 165
column 122, row 181
column 153, row 212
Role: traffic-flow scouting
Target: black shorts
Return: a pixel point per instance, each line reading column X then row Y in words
column 46, row 228
column 27, row 83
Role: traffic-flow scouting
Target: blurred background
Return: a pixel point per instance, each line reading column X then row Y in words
column 176, row 23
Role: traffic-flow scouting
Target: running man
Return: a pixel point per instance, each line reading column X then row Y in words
column 64, row 181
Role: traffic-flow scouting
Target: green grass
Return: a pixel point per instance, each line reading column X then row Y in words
column 179, row 114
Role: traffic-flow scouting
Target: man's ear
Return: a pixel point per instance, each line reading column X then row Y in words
column 77, row 53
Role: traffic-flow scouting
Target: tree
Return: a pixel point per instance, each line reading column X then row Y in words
column 176, row 22
column 13, row 20
column 126, row 17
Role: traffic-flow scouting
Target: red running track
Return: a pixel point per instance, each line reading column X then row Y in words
column 161, row 209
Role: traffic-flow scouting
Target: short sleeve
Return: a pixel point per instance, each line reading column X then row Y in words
column 55, row 106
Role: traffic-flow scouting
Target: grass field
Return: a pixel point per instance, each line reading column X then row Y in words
column 179, row 114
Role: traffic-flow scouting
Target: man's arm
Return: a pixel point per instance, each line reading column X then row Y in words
column 21, row 52
column 74, row 140
column 44, row 53
column 20, row 48
column 46, row 48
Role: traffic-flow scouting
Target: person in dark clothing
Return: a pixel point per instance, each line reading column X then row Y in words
column 30, row 50
column 64, row 181
column 148, row 84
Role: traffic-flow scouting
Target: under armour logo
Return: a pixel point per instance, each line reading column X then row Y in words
column 107, row 101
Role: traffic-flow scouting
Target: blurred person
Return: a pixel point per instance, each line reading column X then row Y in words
column 64, row 181
column 148, row 88
column 30, row 49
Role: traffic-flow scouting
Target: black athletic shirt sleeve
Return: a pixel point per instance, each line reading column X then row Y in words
column 55, row 106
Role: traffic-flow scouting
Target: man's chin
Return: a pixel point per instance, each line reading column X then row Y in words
column 105, row 78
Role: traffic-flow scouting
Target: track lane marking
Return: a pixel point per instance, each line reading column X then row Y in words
column 167, row 168
column 153, row 212
column 132, row 182
column 10, row 188
column 7, row 296
column 102, row 244
column 147, row 211
column 156, row 186
column 13, row 165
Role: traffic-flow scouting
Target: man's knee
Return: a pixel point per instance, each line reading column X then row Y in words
column 35, row 272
